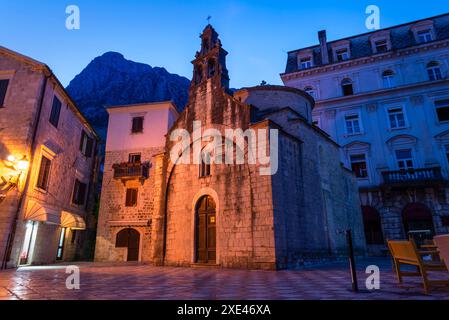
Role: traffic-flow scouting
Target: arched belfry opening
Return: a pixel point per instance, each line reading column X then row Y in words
column 205, row 231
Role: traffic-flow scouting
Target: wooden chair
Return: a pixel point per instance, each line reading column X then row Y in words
column 442, row 243
column 406, row 253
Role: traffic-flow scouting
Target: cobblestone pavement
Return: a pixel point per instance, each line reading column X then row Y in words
column 131, row 281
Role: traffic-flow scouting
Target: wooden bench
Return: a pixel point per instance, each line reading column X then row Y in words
column 406, row 253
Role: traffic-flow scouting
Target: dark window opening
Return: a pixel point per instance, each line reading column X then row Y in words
column 198, row 74
column 137, row 126
column 347, row 88
column 55, row 112
column 358, row 166
column 86, row 144
column 131, row 197
column 135, row 158
column 381, row 46
column 205, row 165
column 372, row 225
column 3, row 89
column 44, row 172
column 79, row 193
column 211, row 68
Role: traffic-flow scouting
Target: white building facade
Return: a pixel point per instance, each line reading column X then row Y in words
column 384, row 97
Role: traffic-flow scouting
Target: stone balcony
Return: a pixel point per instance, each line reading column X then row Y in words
column 413, row 177
column 131, row 171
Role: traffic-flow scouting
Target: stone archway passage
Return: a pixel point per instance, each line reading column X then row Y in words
column 205, row 231
column 417, row 216
column 129, row 238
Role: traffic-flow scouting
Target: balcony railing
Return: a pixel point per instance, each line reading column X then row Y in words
column 131, row 171
column 413, row 176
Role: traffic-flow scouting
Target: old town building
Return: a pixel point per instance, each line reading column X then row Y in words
column 47, row 162
column 384, row 96
column 159, row 208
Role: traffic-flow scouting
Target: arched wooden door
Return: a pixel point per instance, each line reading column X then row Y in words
column 129, row 238
column 205, row 231
column 417, row 216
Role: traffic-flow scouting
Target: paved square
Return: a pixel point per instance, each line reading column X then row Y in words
column 132, row 281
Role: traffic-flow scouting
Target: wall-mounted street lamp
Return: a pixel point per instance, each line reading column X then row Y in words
column 12, row 163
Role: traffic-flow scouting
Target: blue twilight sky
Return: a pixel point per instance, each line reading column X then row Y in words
column 257, row 34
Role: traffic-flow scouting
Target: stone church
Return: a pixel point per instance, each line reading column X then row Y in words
column 159, row 210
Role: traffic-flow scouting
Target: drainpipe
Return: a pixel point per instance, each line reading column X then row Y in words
column 12, row 232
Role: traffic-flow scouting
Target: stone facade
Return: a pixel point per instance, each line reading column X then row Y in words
column 26, row 133
column 409, row 77
column 115, row 215
column 252, row 220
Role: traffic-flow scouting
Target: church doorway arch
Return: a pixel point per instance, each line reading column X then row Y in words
column 205, row 231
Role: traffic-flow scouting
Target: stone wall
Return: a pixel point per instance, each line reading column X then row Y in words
column 18, row 120
column 115, row 216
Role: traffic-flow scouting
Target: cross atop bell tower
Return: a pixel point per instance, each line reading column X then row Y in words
column 210, row 61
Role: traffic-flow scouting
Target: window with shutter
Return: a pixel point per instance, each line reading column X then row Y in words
column 86, row 144
column 137, row 125
column 131, row 197
column 3, row 89
column 55, row 112
column 79, row 193
column 44, row 172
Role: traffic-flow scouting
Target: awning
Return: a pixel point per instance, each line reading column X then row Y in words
column 72, row 221
column 38, row 212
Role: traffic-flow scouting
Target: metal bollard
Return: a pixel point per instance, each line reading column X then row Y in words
column 352, row 267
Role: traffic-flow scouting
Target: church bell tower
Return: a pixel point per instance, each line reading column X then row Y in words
column 210, row 61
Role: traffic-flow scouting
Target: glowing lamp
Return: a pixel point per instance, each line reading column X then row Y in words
column 23, row 164
column 11, row 158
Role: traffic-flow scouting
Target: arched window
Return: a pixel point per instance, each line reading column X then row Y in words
column 388, row 78
column 211, row 68
column 311, row 91
column 373, row 225
column 347, row 88
column 198, row 74
column 434, row 71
